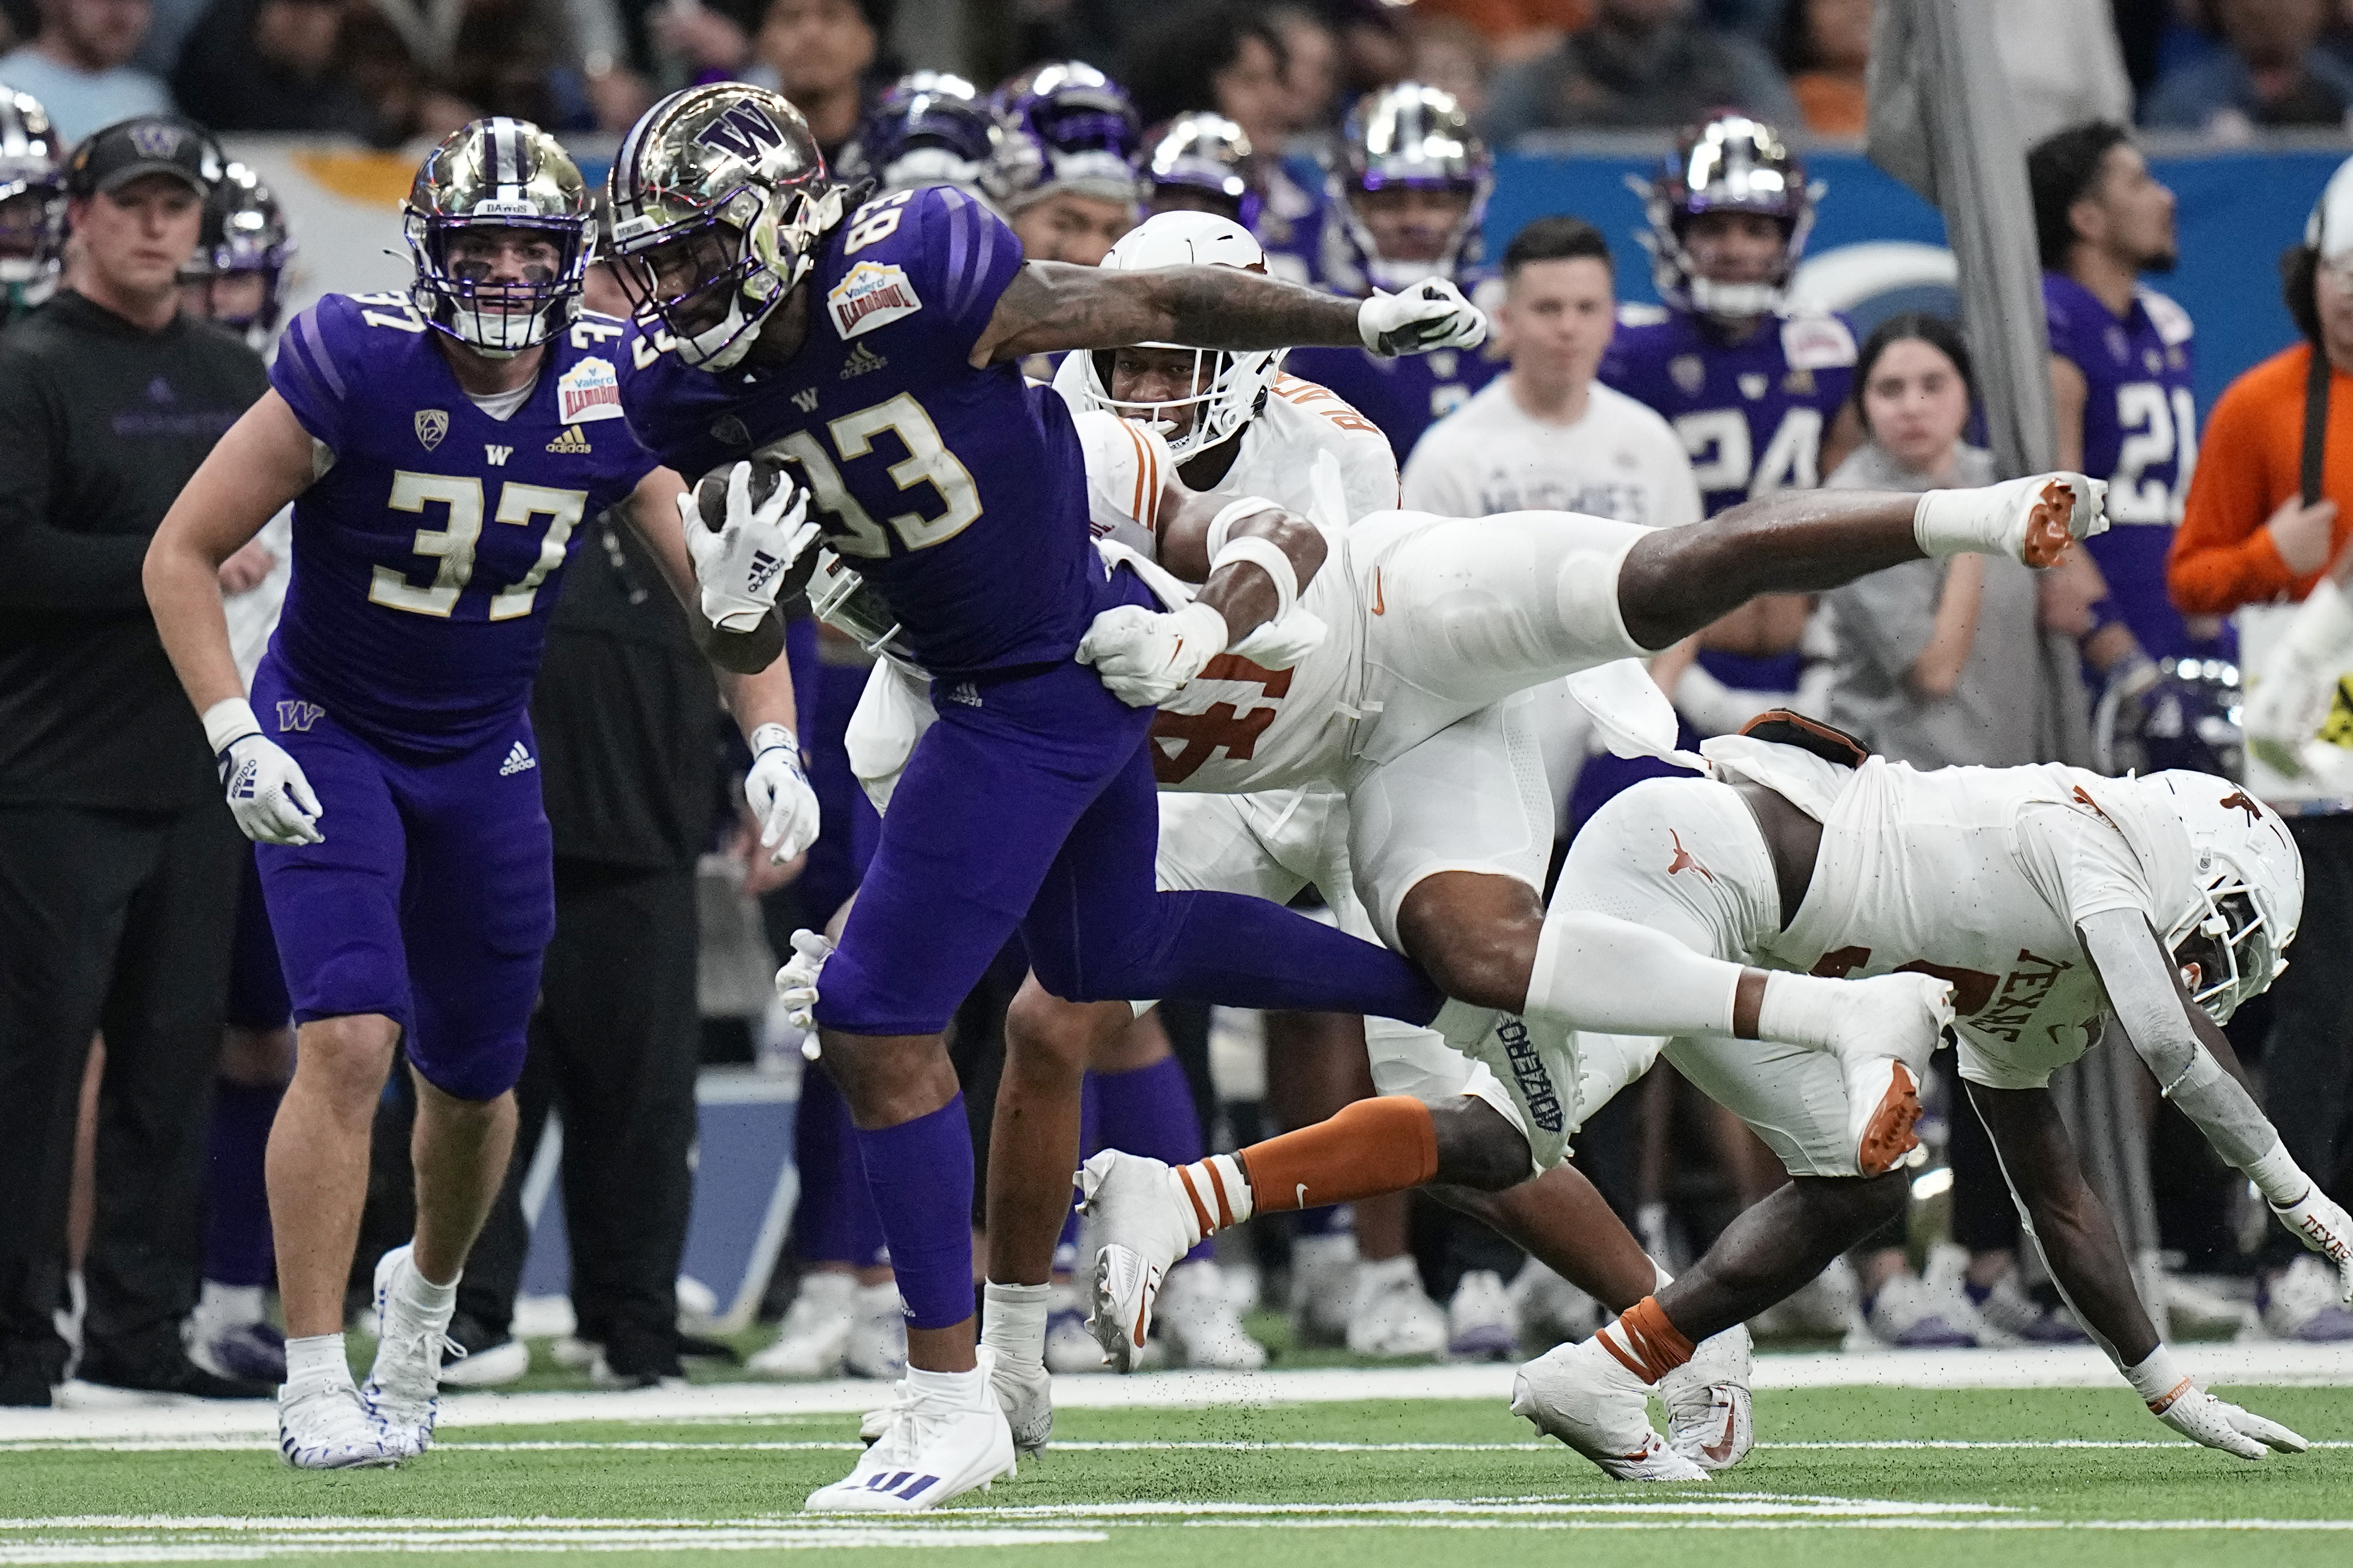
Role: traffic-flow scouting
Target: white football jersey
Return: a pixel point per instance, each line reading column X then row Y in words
column 1979, row 876
column 1236, row 726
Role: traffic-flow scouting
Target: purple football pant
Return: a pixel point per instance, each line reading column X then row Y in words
column 431, row 898
column 1031, row 805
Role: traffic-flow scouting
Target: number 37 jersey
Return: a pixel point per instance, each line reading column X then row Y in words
column 430, row 549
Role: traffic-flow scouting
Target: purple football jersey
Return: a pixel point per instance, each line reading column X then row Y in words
column 958, row 494
column 1751, row 414
column 2140, row 434
column 1405, row 395
column 427, row 557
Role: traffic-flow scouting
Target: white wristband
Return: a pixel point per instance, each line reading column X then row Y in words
column 2278, row 1177
column 2159, row 1380
column 228, row 720
column 1221, row 525
column 1267, row 556
column 772, row 736
column 2322, row 627
column 1934, row 531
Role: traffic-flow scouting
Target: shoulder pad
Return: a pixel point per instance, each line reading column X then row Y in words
column 1637, row 315
column 2173, row 324
column 1812, row 342
column 1126, row 465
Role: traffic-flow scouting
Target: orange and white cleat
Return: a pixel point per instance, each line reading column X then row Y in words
column 1581, row 1394
column 1145, row 1231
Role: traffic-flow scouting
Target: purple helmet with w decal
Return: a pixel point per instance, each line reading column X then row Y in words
column 496, row 174
column 930, row 129
column 1068, row 127
column 720, row 199
column 1729, row 164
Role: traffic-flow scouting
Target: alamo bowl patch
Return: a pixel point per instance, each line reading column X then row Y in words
column 591, row 389
column 870, row 295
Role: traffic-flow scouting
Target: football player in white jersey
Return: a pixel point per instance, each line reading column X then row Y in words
column 2057, row 901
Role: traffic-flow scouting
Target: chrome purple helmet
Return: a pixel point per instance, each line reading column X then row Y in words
column 245, row 232
column 1413, row 137
column 32, row 193
column 930, row 129
column 497, row 172
column 1067, row 127
column 1730, row 164
column 1201, row 164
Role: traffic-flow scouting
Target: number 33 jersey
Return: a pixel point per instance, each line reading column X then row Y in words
column 959, row 495
column 1979, row 876
column 429, row 551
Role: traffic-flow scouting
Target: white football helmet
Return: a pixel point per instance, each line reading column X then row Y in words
column 2250, row 877
column 1228, row 389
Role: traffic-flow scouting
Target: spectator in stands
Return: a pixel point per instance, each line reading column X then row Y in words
column 1824, row 45
column 1314, row 63
column 1642, row 64
column 1515, row 30
column 78, row 65
column 2270, row 73
column 821, row 51
column 2249, row 540
column 271, row 65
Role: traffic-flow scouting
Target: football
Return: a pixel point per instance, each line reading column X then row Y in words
column 711, row 490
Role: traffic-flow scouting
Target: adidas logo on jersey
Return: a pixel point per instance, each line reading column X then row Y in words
column 571, row 444
column 861, row 359
column 966, row 692
column 518, row 760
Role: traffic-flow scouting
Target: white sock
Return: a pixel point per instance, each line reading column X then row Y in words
column 1800, row 1010
column 227, row 1305
column 955, row 1387
column 317, row 1358
column 1013, row 1320
column 1213, row 1195
column 1612, row 976
column 433, row 1302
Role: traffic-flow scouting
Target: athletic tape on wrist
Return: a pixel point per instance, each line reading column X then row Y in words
column 2159, row 1380
column 774, row 737
column 228, row 722
column 1221, row 526
column 1267, row 555
column 2279, row 1178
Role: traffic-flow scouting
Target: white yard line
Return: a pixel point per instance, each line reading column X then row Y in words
column 1137, row 1446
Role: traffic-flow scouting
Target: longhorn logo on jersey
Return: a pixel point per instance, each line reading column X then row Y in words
column 870, row 295
column 432, row 423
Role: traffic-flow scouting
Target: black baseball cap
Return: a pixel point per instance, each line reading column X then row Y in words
column 147, row 144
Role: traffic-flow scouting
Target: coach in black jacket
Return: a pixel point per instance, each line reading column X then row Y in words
column 118, row 860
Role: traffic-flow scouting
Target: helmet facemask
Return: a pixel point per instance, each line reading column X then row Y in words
column 458, row 290
column 32, row 230
column 1229, row 391
column 2224, row 946
column 713, row 278
column 1731, row 165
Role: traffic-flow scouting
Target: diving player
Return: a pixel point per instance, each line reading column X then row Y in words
column 873, row 350
column 1405, row 205
column 2057, row 902
column 32, row 204
column 442, row 447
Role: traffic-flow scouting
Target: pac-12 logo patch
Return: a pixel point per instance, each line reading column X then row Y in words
column 432, row 423
column 870, row 295
column 591, row 389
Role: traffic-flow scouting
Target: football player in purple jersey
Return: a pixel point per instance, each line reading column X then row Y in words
column 441, row 448
column 870, row 351
column 2122, row 364
column 1405, row 205
column 238, row 273
column 1065, row 178
column 32, row 204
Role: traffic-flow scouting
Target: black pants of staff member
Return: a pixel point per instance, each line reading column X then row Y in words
column 612, row 1052
column 120, row 922
column 2308, row 1055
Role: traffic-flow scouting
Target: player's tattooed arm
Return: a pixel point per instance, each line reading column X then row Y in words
column 266, row 459
column 652, row 512
column 1050, row 306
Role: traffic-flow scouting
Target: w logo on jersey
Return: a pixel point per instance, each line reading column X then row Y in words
column 498, row 455
column 299, row 716
column 805, row 400
column 746, row 131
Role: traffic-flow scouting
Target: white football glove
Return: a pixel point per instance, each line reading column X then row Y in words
column 779, row 794
column 272, row 801
column 740, row 567
column 797, row 981
column 1428, row 316
column 2030, row 520
column 2219, row 1423
column 2321, row 1223
column 1145, row 656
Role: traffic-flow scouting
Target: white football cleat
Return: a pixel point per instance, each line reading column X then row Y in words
column 1710, row 1420
column 1887, row 1029
column 1324, row 1287
column 1197, row 1317
column 1070, row 1348
column 1479, row 1320
column 1580, row 1395
column 1026, row 1391
column 814, row 1338
column 404, row 1385
column 1394, row 1317
column 1548, row 1311
column 1145, row 1230
column 326, row 1427
column 932, row 1448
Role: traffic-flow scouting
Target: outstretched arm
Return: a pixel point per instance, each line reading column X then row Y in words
column 1051, row 305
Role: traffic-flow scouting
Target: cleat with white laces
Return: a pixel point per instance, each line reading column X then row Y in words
column 1582, row 1395
column 1394, row 1318
column 404, row 1385
column 1548, row 1311
column 929, row 1447
column 1198, row 1320
column 327, row 1428
column 1710, row 1420
column 1478, row 1319
column 1912, row 1314
column 814, row 1338
column 1145, row 1229
column 1026, row 1391
column 878, row 1333
column 2009, row 1317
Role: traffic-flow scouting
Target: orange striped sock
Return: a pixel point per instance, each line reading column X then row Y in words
column 1215, row 1193
column 1645, row 1342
